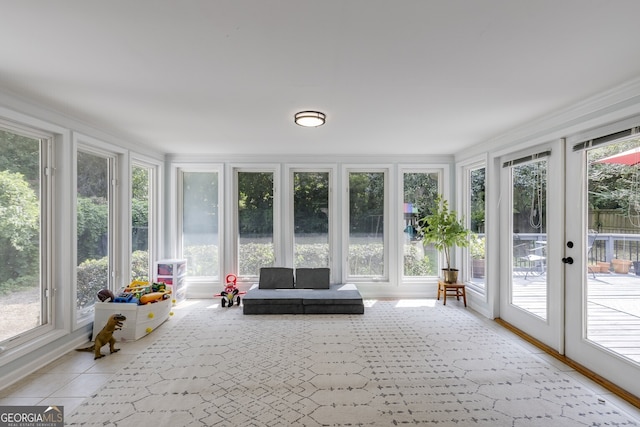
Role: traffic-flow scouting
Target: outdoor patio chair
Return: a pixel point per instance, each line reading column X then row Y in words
column 531, row 255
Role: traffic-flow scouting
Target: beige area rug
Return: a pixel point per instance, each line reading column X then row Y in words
column 398, row 364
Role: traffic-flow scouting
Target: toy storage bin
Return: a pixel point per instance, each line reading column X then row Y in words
column 139, row 318
column 173, row 273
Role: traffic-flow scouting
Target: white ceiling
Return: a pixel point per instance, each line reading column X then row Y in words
column 393, row 76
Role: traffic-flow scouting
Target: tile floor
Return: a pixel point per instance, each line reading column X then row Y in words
column 70, row 379
column 75, row 376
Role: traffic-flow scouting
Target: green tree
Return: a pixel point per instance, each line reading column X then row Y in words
column 529, row 189
column 311, row 198
column 93, row 175
column 19, row 227
column 92, row 228
column 478, row 184
column 140, row 183
column 255, row 203
column 20, row 154
column 366, row 202
column 421, row 189
column 139, row 211
column 613, row 186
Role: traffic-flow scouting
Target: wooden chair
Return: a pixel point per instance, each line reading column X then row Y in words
column 452, row 289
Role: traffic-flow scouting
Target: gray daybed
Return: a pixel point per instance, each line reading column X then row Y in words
column 309, row 293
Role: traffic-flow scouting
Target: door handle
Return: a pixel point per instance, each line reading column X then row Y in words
column 567, row 260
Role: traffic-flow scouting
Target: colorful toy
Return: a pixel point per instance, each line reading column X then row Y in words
column 154, row 296
column 126, row 298
column 105, row 295
column 231, row 291
column 139, row 292
column 105, row 336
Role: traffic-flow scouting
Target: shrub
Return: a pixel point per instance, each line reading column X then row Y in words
column 19, row 227
column 312, row 255
column 202, row 260
column 416, row 264
column 255, row 255
column 91, row 277
column 19, row 284
column 140, row 266
column 366, row 259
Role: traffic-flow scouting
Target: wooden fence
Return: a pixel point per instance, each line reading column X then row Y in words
column 613, row 221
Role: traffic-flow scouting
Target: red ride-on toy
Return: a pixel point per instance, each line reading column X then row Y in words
column 231, row 292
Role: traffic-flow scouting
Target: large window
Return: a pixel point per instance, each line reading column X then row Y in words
column 24, row 301
column 200, row 224
column 142, row 180
column 95, row 224
column 529, row 232
column 419, row 192
column 367, row 257
column 311, row 219
column 474, row 214
column 255, row 198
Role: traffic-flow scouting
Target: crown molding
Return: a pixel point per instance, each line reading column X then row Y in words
column 619, row 102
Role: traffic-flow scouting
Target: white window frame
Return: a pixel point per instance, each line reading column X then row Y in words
column 464, row 198
column 289, row 232
column 155, row 214
column 48, row 291
column 119, row 214
column 177, row 195
column 385, row 169
column 442, row 171
column 232, row 210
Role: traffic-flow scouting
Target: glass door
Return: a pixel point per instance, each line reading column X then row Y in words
column 531, row 295
column 603, row 283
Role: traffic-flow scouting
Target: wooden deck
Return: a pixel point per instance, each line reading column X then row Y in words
column 613, row 309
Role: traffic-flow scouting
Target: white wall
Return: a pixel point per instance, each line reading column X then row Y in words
column 580, row 120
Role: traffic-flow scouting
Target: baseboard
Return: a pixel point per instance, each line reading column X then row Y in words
column 603, row 382
column 45, row 359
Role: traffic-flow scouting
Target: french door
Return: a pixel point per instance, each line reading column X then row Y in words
column 603, row 283
column 531, row 240
column 570, row 251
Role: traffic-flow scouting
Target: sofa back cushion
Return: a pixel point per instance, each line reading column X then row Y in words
column 276, row 278
column 312, row 278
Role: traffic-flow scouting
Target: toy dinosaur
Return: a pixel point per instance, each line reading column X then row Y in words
column 105, row 336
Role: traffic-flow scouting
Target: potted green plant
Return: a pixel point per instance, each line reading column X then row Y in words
column 444, row 230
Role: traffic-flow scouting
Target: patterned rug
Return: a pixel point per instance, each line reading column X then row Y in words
column 398, row 364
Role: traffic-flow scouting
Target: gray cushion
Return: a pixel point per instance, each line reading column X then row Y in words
column 312, row 278
column 276, row 278
column 338, row 299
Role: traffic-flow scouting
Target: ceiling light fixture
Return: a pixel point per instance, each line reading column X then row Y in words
column 309, row 119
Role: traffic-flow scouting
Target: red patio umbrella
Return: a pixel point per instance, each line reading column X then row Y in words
column 629, row 157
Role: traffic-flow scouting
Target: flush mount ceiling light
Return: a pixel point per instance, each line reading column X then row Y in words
column 309, row 119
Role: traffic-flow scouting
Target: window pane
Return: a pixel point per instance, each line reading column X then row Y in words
column 366, row 224
column 311, row 219
column 21, row 300
column 529, row 279
column 92, row 229
column 255, row 222
column 420, row 190
column 200, row 239
column 140, row 186
column 612, row 290
column 476, row 204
